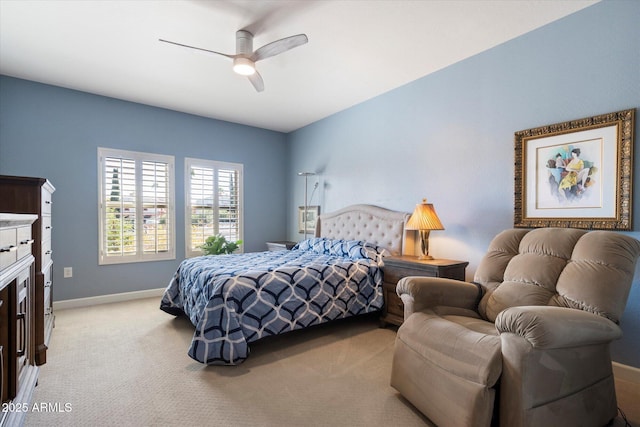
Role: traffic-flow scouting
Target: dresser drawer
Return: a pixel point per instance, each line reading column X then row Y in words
column 47, row 291
column 8, row 247
column 46, row 227
column 46, row 254
column 24, row 241
column 393, row 274
column 46, row 201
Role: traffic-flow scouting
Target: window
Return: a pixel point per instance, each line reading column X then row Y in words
column 137, row 220
column 214, row 202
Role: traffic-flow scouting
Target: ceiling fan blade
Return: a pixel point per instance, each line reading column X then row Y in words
column 256, row 81
column 198, row 48
column 279, row 46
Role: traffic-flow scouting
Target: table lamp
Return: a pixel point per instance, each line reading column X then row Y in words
column 424, row 219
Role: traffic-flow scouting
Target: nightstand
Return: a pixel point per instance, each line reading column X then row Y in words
column 395, row 268
column 281, row 245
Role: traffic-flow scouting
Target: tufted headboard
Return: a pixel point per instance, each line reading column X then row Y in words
column 373, row 224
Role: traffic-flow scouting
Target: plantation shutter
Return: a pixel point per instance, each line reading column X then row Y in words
column 120, row 208
column 136, row 207
column 214, row 202
column 155, row 206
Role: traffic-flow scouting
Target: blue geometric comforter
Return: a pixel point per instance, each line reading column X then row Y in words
column 235, row 299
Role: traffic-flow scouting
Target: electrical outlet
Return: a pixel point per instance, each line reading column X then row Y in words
column 68, row 272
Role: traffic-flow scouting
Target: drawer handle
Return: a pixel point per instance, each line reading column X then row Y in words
column 27, row 242
column 48, row 202
column 48, row 284
column 21, row 317
column 48, row 253
column 9, row 249
column 48, row 227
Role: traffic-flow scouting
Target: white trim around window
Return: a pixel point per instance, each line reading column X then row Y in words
column 136, row 197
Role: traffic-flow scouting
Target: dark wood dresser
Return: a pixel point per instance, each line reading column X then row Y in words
column 17, row 343
column 25, row 195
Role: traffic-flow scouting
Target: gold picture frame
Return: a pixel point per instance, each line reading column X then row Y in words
column 576, row 174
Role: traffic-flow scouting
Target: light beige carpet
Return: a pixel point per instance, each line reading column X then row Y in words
column 126, row 364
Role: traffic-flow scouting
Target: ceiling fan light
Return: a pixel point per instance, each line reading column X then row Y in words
column 244, row 66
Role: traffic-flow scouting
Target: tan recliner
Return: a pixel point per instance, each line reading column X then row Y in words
column 525, row 344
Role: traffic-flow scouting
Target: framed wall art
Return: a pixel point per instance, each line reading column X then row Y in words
column 576, row 174
column 307, row 223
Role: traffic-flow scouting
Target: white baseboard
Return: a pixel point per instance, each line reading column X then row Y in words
column 626, row 372
column 106, row 299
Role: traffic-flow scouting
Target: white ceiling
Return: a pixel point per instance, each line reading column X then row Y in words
column 357, row 49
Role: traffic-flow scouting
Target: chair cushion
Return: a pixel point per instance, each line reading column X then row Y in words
column 599, row 275
column 467, row 347
column 563, row 267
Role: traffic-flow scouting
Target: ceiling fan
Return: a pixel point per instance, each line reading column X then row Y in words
column 244, row 61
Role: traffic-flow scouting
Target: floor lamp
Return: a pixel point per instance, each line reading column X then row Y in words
column 306, row 201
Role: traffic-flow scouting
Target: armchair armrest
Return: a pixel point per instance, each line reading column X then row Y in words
column 418, row 293
column 547, row 327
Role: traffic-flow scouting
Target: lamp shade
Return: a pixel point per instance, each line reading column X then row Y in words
column 424, row 217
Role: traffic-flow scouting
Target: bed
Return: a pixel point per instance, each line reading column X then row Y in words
column 236, row 299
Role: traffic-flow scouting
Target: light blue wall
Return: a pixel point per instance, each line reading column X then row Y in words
column 51, row 132
column 450, row 136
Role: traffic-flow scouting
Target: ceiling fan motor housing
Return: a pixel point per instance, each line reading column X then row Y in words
column 244, row 43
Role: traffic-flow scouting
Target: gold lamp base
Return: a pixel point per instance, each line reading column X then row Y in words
column 424, row 245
